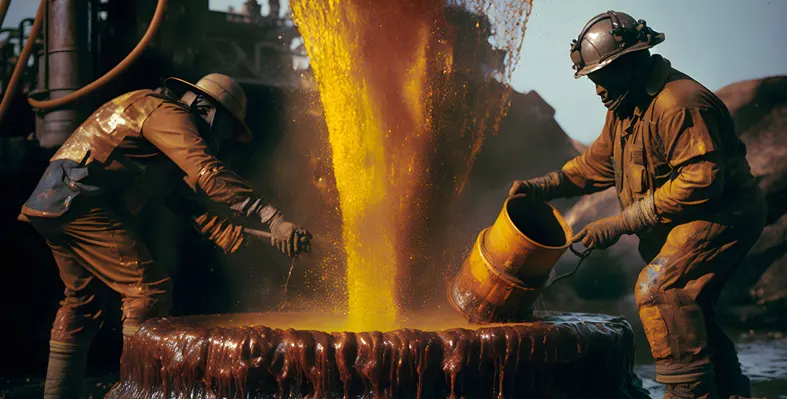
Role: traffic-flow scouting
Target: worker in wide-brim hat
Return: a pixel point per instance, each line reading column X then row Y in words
column 670, row 149
column 137, row 149
column 224, row 91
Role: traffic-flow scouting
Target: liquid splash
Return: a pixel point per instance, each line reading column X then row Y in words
column 390, row 77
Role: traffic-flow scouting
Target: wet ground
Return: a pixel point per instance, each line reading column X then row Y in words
column 763, row 359
column 33, row 387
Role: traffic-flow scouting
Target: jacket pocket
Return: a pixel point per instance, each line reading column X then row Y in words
column 637, row 154
column 637, row 178
column 636, row 173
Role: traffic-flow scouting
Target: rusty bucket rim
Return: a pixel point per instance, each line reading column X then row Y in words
column 452, row 301
column 567, row 230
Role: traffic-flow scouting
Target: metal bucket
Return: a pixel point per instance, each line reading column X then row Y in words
column 510, row 262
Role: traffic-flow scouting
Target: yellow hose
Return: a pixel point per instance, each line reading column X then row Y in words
column 158, row 16
column 19, row 68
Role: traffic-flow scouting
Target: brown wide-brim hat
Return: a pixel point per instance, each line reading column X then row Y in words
column 222, row 89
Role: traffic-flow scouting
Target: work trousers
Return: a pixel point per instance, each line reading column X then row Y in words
column 689, row 264
column 95, row 250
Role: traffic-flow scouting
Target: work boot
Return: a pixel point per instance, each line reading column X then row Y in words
column 65, row 370
column 691, row 390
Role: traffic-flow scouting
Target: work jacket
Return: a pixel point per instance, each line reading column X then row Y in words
column 679, row 142
column 134, row 150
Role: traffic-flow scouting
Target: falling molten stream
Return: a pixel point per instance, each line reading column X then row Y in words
column 389, row 80
column 370, row 60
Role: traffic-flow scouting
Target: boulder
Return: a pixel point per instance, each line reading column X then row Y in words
column 758, row 293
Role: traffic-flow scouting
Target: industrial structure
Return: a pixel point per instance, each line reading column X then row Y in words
column 81, row 40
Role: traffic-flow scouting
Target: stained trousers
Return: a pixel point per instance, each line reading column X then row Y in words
column 96, row 249
column 676, row 294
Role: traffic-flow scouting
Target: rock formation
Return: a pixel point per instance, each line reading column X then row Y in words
column 758, row 293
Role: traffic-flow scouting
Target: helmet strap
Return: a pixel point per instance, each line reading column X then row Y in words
column 620, row 100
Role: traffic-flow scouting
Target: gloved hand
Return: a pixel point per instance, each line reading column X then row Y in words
column 602, row 234
column 289, row 238
column 553, row 185
column 606, row 232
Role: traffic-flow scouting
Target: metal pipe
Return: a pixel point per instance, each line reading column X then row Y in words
column 43, row 75
column 158, row 16
column 19, row 68
column 22, row 31
column 70, row 66
column 3, row 11
column 12, row 33
column 94, row 5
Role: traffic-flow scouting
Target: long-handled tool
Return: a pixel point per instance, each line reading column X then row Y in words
column 267, row 236
column 257, row 233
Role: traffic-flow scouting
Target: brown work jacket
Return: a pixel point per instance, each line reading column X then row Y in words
column 680, row 142
column 133, row 150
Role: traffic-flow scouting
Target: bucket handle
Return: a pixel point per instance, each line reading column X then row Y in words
column 582, row 256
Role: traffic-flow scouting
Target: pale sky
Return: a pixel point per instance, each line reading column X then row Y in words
column 717, row 42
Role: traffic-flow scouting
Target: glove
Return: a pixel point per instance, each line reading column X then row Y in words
column 553, row 185
column 606, row 232
column 289, row 238
column 601, row 234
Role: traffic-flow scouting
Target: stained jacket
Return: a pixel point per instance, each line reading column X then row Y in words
column 679, row 142
column 136, row 149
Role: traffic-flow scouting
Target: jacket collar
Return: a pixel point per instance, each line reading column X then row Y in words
column 659, row 72
column 660, row 69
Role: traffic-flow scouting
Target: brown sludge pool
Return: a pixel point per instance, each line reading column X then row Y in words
column 434, row 355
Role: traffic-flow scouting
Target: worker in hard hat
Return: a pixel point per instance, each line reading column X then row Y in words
column 670, row 149
column 136, row 149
